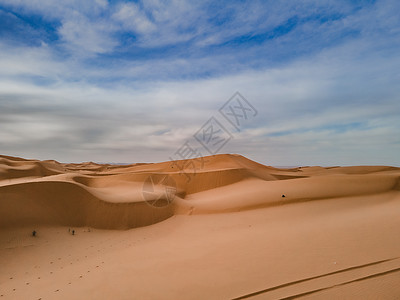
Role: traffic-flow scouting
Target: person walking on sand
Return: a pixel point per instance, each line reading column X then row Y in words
column 73, row 232
column 34, row 233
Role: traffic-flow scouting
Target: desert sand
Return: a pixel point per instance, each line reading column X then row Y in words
column 228, row 228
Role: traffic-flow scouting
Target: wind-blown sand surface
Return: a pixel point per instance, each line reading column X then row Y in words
column 227, row 234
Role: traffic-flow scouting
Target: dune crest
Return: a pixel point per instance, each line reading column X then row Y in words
column 34, row 192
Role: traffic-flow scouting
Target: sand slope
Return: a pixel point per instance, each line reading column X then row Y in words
column 107, row 196
column 226, row 232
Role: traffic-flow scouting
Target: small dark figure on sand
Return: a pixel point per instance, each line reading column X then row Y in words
column 34, row 233
column 73, row 232
column 283, row 196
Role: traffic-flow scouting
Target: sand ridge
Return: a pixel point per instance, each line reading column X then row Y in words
column 111, row 196
column 236, row 230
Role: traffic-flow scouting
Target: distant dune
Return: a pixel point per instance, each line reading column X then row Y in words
column 111, row 196
column 244, row 230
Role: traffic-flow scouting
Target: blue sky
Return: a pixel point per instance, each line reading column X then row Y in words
column 131, row 81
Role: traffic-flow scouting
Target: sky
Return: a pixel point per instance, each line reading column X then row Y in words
column 284, row 83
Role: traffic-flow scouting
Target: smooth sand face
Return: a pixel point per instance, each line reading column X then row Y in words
column 228, row 233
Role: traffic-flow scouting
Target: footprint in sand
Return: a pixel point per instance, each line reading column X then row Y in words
column 56, row 290
column 27, row 283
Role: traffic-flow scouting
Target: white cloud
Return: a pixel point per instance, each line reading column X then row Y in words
column 302, row 97
column 54, row 9
column 86, row 37
column 83, row 30
column 134, row 19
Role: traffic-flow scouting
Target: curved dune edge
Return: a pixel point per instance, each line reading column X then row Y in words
column 109, row 196
column 254, row 193
column 68, row 204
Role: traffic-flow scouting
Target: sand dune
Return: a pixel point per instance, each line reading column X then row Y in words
column 223, row 227
column 108, row 196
